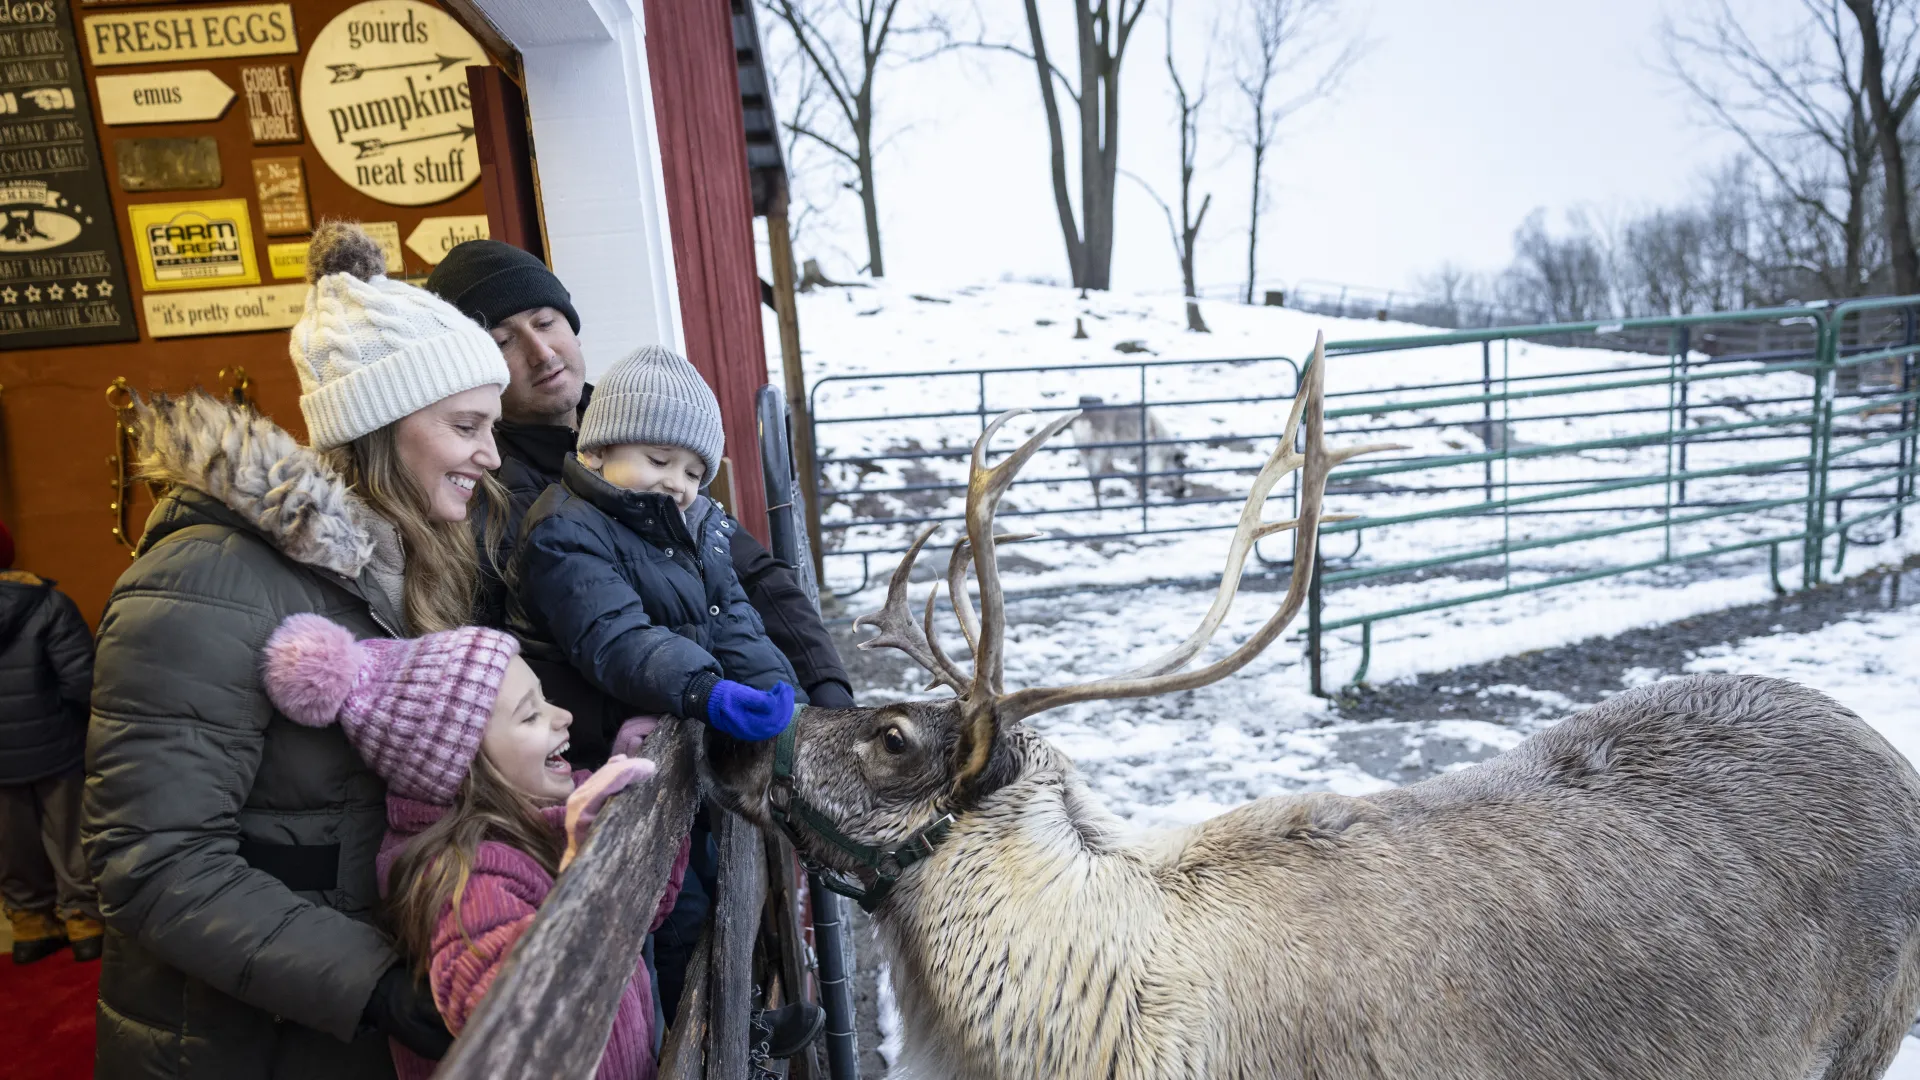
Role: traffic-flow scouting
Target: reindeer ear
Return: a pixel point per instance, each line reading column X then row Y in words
column 979, row 727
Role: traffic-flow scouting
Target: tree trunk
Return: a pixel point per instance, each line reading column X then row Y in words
column 1062, row 198
column 870, row 204
column 1253, row 223
column 1096, row 210
column 1893, row 164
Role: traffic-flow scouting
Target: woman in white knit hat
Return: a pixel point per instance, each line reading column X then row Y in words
column 233, row 849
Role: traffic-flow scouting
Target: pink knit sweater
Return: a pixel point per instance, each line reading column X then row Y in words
column 506, row 888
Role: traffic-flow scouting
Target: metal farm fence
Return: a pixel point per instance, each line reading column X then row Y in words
column 1528, row 468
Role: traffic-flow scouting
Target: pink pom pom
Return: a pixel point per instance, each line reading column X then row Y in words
column 312, row 664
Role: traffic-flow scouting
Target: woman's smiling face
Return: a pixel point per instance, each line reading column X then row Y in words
column 447, row 447
column 526, row 737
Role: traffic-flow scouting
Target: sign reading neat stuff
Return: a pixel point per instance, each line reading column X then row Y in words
column 62, row 278
column 384, row 92
column 170, row 34
column 163, row 97
column 185, row 245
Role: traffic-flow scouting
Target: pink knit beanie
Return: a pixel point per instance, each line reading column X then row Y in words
column 414, row 708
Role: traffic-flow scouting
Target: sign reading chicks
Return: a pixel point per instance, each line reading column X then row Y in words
column 385, row 100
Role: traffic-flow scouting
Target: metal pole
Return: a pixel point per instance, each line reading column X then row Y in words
column 1683, row 344
column 1314, row 685
column 1903, row 487
column 1486, row 410
column 836, row 989
column 1143, row 448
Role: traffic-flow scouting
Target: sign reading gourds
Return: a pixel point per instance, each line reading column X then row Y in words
column 385, row 100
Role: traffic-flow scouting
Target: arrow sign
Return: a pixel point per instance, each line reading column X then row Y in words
column 163, row 97
column 369, row 147
column 350, row 72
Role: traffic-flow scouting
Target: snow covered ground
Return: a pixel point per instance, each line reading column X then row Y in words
column 1101, row 607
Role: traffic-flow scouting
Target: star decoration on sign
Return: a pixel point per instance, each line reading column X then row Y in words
column 79, row 290
column 7, row 294
column 56, row 292
column 33, row 294
column 105, row 288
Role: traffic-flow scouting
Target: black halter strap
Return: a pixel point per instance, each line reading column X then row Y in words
column 790, row 812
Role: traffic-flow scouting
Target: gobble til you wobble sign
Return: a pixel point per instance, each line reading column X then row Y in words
column 385, row 99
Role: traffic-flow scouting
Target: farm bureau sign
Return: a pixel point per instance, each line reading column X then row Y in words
column 385, row 100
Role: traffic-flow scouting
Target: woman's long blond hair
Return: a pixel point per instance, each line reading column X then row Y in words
column 442, row 580
column 432, row 870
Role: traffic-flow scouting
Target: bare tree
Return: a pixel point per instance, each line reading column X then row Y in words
column 1186, row 232
column 1558, row 278
column 1891, row 77
column 845, row 45
column 1800, row 107
column 1102, row 29
column 1285, row 38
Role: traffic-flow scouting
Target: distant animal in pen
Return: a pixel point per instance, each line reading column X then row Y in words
column 1711, row 878
column 1109, row 442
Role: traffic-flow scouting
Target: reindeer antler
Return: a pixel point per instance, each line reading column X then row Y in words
column 987, row 705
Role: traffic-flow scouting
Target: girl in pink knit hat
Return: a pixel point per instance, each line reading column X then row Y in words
column 482, row 808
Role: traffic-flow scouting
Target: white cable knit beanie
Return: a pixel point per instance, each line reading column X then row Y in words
column 370, row 350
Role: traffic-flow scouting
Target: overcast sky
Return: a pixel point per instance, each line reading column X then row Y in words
column 1463, row 117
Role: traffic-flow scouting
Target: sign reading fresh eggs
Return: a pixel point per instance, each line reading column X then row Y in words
column 385, row 101
column 158, row 37
column 189, row 245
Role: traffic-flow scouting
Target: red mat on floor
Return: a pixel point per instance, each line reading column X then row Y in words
column 46, row 1018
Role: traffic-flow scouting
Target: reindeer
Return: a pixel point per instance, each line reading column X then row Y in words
column 1712, row 878
column 1108, row 439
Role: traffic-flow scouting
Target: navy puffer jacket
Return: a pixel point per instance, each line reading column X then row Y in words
column 645, row 610
column 46, row 673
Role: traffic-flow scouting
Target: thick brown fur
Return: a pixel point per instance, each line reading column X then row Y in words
column 343, row 247
column 1709, row 878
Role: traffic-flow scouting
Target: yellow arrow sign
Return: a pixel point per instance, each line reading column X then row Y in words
column 163, row 97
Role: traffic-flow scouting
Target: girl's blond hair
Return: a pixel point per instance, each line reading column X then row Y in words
column 442, row 581
column 432, row 870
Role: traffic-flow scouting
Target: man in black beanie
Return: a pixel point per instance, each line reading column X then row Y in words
column 531, row 317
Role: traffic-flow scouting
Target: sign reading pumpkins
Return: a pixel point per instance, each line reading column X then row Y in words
column 62, row 279
column 189, row 245
column 385, row 100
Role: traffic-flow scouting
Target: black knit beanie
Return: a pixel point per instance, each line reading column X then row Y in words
column 493, row 281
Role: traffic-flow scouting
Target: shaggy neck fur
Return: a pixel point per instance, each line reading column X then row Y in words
column 258, row 471
column 983, row 992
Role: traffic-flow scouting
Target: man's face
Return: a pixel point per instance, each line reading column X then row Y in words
column 548, row 371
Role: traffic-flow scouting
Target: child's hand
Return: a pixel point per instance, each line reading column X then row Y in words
column 587, row 799
column 748, row 714
column 632, row 734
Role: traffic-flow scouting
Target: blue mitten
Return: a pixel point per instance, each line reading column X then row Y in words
column 748, row 714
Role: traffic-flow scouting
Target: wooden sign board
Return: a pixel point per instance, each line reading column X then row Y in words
column 184, row 245
column 167, row 36
column 281, row 184
column 390, row 110
column 435, row 236
column 163, row 97
column 224, row 311
column 62, row 275
column 288, row 260
column 270, row 108
column 168, row 164
column 387, row 235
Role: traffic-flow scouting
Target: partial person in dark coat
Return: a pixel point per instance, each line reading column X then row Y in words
column 46, row 673
column 531, row 317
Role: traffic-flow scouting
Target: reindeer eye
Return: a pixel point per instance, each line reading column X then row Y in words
column 896, row 743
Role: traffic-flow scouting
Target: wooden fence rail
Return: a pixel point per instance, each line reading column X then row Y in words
column 548, row 1013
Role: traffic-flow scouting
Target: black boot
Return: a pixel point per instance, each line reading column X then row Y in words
column 788, row 1029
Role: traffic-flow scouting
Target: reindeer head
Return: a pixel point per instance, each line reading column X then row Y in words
column 869, row 791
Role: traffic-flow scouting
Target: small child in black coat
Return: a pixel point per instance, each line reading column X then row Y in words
column 624, row 571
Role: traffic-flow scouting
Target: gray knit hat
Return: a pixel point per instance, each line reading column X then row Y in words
column 654, row 396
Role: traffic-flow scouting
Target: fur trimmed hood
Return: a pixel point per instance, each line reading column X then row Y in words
column 252, row 466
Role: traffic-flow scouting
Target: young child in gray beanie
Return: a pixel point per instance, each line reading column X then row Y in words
column 624, row 578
